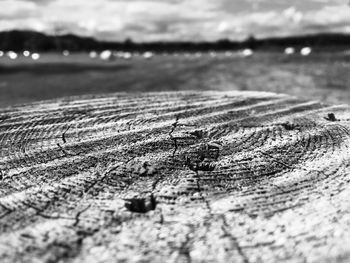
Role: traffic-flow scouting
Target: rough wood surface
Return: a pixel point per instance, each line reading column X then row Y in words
column 175, row 177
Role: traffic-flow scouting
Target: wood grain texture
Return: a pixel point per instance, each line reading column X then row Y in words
column 175, row 177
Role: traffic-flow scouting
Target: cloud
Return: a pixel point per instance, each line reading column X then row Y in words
column 11, row 10
column 148, row 20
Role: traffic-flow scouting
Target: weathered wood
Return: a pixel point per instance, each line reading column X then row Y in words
column 175, row 177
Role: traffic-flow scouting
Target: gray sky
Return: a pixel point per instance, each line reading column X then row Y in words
column 148, row 20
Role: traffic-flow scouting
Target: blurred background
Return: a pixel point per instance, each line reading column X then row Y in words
column 56, row 48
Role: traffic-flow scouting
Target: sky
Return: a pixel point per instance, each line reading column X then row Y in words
column 176, row 20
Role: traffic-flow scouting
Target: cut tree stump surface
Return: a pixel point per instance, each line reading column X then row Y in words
column 175, row 177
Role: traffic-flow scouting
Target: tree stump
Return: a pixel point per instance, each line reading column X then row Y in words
column 175, row 177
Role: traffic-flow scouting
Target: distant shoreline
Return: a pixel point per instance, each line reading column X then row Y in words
column 17, row 40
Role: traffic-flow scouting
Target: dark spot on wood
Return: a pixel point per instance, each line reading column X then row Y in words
column 205, row 167
column 288, row 126
column 26, row 235
column 200, row 165
column 199, row 134
column 141, row 205
column 146, row 169
column 209, row 151
column 331, row 117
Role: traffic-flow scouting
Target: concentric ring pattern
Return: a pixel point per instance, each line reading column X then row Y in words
column 175, row 177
